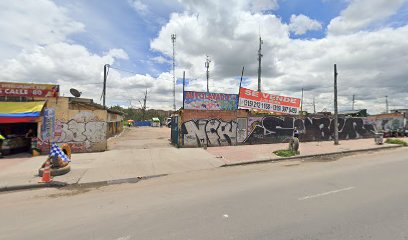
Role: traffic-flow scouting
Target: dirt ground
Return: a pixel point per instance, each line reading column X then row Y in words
column 141, row 138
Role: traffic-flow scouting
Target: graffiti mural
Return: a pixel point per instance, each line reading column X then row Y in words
column 211, row 132
column 387, row 122
column 210, row 101
column 82, row 132
column 48, row 124
column 74, row 131
column 280, row 129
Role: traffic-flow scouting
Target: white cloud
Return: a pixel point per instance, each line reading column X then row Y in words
column 140, row 7
column 160, row 59
column 369, row 63
column 30, row 23
column 360, row 14
column 300, row 24
column 118, row 53
column 263, row 5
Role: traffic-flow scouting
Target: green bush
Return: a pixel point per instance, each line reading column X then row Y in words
column 396, row 141
column 285, row 153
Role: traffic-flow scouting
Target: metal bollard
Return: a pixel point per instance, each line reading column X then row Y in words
column 379, row 138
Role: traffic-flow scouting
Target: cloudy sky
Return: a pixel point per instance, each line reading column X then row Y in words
column 67, row 42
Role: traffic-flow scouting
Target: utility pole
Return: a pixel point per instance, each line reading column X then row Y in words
column 207, row 65
column 386, row 104
column 143, row 106
column 314, row 105
column 336, row 120
column 173, row 40
column 105, row 76
column 301, row 104
column 352, row 106
column 259, row 63
column 184, row 84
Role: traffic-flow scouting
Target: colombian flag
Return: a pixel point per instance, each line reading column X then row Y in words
column 19, row 112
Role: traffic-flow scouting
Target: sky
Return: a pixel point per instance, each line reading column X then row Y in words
column 67, row 42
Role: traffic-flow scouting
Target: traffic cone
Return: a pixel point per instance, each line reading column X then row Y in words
column 46, row 176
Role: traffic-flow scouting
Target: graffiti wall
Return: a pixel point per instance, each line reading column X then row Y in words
column 210, row 132
column 221, row 128
column 274, row 129
column 387, row 122
column 84, row 132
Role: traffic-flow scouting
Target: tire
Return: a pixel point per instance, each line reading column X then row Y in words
column 66, row 149
column 56, row 171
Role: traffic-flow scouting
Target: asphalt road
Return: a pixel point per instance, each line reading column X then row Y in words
column 363, row 196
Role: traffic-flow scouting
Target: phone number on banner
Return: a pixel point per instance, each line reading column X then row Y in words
column 247, row 103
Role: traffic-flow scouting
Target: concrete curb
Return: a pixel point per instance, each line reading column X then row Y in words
column 53, row 184
column 308, row 156
column 115, row 181
column 57, row 184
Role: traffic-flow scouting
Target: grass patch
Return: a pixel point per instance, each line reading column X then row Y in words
column 396, row 141
column 285, row 153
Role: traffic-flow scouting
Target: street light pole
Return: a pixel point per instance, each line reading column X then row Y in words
column 336, row 120
column 105, row 76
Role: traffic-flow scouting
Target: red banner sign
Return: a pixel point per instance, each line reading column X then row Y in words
column 28, row 90
column 250, row 99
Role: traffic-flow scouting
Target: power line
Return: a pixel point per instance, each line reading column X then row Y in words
column 123, row 70
column 92, row 83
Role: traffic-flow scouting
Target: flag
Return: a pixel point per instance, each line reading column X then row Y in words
column 57, row 152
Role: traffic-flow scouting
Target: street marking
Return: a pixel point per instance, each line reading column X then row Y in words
column 123, row 238
column 225, row 215
column 325, row 193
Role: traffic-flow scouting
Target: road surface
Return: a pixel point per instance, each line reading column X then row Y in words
column 363, row 196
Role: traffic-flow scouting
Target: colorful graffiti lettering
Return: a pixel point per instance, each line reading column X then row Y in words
column 210, row 101
column 82, row 132
column 280, row 129
column 212, row 132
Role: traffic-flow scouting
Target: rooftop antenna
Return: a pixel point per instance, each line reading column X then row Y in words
column 207, row 65
column 173, row 40
column 75, row 92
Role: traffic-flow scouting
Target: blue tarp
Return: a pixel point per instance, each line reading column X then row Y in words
column 142, row 124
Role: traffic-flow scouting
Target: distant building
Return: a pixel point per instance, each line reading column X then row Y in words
column 402, row 110
column 354, row 113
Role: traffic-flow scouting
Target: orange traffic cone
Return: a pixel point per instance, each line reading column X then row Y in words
column 46, row 176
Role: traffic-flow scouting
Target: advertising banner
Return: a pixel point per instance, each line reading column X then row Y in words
column 210, row 101
column 48, row 125
column 250, row 99
column 8, row 89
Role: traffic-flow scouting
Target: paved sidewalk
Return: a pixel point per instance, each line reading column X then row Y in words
column 233, row 155
column 146, row 152
column 113, row 165
column 140, row 152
